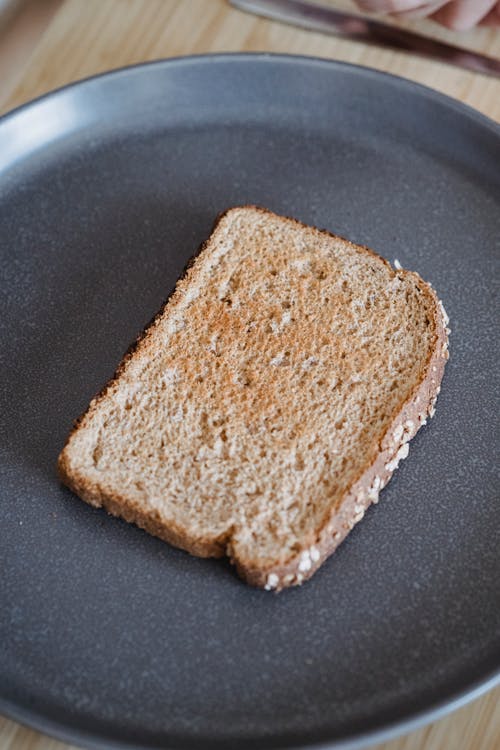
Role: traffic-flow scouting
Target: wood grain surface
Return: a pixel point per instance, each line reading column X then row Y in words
column 66, row 40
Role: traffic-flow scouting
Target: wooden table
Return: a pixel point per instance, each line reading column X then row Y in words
column 72, row 39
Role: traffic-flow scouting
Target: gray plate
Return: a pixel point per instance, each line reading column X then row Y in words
column 110, row 637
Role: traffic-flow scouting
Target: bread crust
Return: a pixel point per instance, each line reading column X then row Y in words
column 391, row 448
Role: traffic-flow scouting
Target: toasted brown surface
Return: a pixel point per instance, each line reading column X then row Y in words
column 270, row 400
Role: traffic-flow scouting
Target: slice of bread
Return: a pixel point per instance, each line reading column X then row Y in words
column 270, row 400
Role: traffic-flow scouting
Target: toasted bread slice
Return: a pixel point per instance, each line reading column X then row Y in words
column 270, row 400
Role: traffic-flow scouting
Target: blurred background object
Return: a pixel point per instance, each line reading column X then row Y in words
column 329, row 20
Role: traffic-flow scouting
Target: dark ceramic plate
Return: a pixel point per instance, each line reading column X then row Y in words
column 109, row 637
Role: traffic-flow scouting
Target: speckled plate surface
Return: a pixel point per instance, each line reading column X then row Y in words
column 109, row 637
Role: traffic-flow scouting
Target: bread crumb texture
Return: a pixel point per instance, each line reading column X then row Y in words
column 268, row 403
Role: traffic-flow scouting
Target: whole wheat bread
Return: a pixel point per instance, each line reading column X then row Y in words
column 270, row 400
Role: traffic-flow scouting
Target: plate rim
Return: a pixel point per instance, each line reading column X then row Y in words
column 455, row 699
column 92, row 741
column 289, row 58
